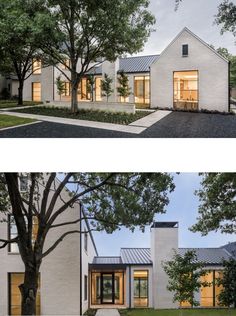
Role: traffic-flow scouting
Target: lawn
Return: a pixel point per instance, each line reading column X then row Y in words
column 189, row 312
column 9, row 121
column 89, row 115
column 13, row 103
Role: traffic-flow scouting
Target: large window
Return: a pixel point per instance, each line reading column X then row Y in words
column 84, row 95
column 37, row 67
column 98, row 89
column 186, row 90
column 36, row 91
column 13, row 247
column 67, row 89
column 209, row 294
column 140, row 288
column 15, row 279
column 142, row 90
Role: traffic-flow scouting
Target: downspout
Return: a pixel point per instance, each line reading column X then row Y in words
column 129, row 286
column 80, row 283
column 229, row 84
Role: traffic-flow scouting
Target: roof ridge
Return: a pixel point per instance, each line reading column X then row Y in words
column 135, row 248
column 153, row 55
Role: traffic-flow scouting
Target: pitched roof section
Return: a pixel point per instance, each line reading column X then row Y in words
column 107, row 260
column 137, row 64
column 136, row 255
column 208, row 256
column 231, row 248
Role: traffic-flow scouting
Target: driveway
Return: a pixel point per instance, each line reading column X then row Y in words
column 175, row 125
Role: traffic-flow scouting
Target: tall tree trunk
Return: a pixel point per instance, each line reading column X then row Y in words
column 29, row 292
column 74, row 91
column 20, row 92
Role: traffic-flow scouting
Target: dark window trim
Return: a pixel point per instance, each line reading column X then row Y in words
column 85, row 288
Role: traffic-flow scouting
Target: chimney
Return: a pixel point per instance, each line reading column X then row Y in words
column 164, row 239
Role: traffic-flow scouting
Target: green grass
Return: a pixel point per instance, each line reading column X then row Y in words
column 13, row 103
column 10, row 121
column 90, row 115
column 187, row 312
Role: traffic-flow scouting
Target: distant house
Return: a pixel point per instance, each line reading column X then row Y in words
column 188, row 75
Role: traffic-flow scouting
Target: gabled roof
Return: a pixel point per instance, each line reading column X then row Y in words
column 136, row 64
column 198, row 38
column 136, row 255
column 208, row 256
column 231, row 248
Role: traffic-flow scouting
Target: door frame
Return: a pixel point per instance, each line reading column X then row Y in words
column 113, row 287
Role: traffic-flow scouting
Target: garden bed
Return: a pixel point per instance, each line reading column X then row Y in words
column 89, row 115
column 4, row 104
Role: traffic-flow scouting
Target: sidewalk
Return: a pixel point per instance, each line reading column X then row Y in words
column 107, row 312
column 136, row 127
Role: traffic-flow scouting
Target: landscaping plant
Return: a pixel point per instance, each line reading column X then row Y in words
column 106, row 86
column 124, row 90
column 60, row 86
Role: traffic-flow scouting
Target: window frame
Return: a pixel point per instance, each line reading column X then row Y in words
column 85, row 288
column 139, row 279
column 38, row 70
column 144, row 80
column 33, row 83
column 185, row 50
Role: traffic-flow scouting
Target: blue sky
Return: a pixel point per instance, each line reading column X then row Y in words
column 198, row 16
column 183, row 208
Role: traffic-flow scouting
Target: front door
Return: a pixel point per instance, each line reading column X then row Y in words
column 107, row 288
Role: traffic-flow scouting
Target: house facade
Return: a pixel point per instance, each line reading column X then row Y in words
column 74, row 278
column 188, row 75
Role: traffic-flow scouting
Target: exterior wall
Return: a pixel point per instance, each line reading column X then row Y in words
column 60, row 270
column 163, row 242
column 47, row 85
column 213, row 74
column 131, row 286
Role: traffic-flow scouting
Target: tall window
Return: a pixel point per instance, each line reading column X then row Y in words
column 209, row 294
column 36, row 91
column 67, row 89
column 85, row 287
column 15, row 279
column 83, row 90
column 142, row 90
column 140, row 288
column 185, row 50
column 23, row 183
column 98, row 89
column 13, row 247
column 37, row 67
column 86, row 242
column 186, row 90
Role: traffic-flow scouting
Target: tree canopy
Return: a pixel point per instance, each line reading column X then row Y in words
column 110, row 200
column 227, row 296
column 217, row 210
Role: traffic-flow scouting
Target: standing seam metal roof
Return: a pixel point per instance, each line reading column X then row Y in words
column 136, row 255
column 137, row 64
column 208, row 255
column 107, row 260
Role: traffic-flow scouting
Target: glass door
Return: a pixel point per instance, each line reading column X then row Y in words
column 107, row 288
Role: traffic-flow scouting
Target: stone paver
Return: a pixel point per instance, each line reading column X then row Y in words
column 107, row 312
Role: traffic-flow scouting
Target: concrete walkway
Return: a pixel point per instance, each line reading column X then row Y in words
column 107, row 312
column 136, row 127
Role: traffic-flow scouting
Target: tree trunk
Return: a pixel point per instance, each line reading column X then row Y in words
column 20, row 93
column 29, row 292
column 74, row 91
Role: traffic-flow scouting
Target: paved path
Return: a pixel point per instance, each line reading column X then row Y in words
column 107, row 312
column 175, row 125
column 135, row 128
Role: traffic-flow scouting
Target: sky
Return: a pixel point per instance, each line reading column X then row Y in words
column 183, row 208
column 197, row 15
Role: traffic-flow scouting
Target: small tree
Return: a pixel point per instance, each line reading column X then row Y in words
column 90, row 85
column 60, row 86
column 106, row 86
column 124, row 90
column 184, row 274
column 227, row 296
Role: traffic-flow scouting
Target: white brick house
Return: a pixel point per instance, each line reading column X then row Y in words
column 188, row 75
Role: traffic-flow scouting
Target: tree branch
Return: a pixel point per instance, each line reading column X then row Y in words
column 7, row 242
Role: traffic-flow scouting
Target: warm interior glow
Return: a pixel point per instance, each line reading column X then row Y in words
column 37, row 67
column 98, row 89
column 186, row 90
column 142, row 90
column 15, row 296
column 140, row 288
column 36, row 91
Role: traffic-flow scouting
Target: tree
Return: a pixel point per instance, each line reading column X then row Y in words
column 19, row 38
column 90, row 85
column 90, row 32
column 227, row 296
column 217, row 196
column 60, row 86
column 112, row 200
column 106, row 86
column 123, row 89
column 227, row 17
column 184, row 274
